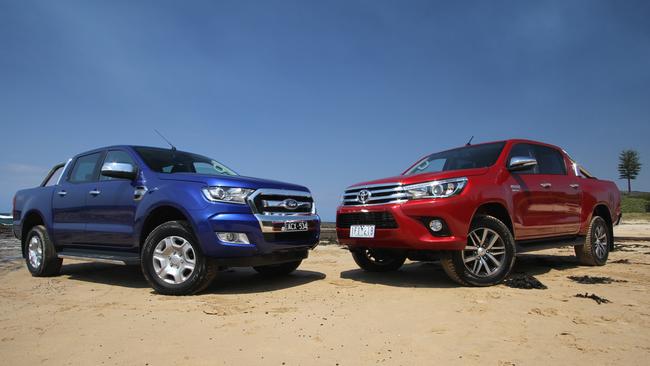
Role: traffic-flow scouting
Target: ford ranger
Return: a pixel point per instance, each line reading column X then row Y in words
column 180, row 216
column 475, row 207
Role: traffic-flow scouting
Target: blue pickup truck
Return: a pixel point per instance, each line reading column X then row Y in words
column 180, row 216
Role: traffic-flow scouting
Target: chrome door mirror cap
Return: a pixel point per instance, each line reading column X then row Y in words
column 521, row 163
column 119, row 170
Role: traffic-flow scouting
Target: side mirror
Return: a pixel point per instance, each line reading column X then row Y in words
column 521, row 163
column 119, row 170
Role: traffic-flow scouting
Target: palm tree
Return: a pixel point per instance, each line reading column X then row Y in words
column 629, row 166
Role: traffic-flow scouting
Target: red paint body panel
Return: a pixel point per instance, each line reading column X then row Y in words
column 536, row 210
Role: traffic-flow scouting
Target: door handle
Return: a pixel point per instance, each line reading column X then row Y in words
column 95, row 192
column 62, row 193
column 546, row 185
column 574, row 186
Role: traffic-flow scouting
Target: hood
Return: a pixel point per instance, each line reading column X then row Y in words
column 426, row 177
column 231, row 181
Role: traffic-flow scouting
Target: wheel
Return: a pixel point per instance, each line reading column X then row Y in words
column 172, row 261
column 595, row 250
column 278, row 269
column 378, row 260
column 41, row 258
column 488, row 257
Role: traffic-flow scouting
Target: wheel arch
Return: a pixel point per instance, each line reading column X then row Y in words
column 31, row 219
column 497, row 210
column 159, row 215
column 602, row 210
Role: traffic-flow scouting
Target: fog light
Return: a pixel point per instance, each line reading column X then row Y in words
column 435, row 225
column 233, row 238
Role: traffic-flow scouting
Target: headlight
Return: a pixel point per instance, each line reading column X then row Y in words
column 436, row 189
column 227, row 194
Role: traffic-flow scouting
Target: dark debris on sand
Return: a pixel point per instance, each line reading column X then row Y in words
column 599, row 300
column 524, row 281
column 622, row 261
column 593, row 280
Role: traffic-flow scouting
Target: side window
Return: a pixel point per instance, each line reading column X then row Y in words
column 117, row 156
column 84, row 168
column 55, row 177
column 524, row 151
column 549, row 161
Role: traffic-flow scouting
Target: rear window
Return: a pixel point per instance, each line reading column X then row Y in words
column 84, row 168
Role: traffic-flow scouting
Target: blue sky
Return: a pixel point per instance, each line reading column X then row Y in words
column 322, row 93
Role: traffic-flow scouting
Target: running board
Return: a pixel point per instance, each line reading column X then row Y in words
column 101, row 256
column 550, row 243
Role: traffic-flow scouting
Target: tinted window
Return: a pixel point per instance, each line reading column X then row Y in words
column 84, row 168
column 174, row 161
column 468, row 157
column 117, row 156
column 549, row 160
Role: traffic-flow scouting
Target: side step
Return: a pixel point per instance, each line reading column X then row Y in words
column 541, row 244
column 101, row 256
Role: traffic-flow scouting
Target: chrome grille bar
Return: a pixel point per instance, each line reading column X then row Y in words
column 374, row 194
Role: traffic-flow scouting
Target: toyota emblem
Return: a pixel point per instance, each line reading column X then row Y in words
column 363, row 196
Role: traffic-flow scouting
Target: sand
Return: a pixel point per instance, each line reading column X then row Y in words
column 329, row 312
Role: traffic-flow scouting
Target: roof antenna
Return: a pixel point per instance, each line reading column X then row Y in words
column 470, row 141
column 163, row 137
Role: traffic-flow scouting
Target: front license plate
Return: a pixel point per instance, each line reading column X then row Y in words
column 295, row 226
column 362, row 231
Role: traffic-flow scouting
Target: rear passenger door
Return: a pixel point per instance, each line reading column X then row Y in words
column 69, row 200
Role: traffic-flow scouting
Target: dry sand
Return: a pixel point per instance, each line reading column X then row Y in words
column 329, row 312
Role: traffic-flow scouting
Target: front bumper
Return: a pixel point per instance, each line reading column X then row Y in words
column 412, row 232
column 264, row 233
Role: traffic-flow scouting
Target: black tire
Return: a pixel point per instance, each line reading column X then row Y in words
column 503, row 251
column 378, row 260
column 49, row 263
column 598, row 241
column 278, row 269
column 204, row 271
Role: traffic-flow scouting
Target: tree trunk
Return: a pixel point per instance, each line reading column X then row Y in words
column 629, row 186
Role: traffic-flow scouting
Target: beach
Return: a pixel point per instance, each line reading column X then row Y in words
column 329, row 312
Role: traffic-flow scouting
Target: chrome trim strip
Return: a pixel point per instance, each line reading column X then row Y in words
column 63, row 171
column 375, row 185
column 373, row 198
column 396, row 202
column 396, row 189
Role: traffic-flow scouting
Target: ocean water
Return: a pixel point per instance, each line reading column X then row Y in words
column 5, row 219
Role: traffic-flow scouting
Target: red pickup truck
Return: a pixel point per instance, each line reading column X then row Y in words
column 475, row 207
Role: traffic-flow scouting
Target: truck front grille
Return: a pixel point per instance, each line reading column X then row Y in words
column 376, row 194
column 381, row 220
column 282, row 203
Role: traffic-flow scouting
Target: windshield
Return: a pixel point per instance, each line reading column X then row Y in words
column 174, row 161
column 468, row 157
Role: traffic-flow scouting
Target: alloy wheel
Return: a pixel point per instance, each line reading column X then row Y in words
column 35, row 251
column 485, row 252
column 600, row 241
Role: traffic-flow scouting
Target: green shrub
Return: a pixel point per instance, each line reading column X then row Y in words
column 629, row 204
